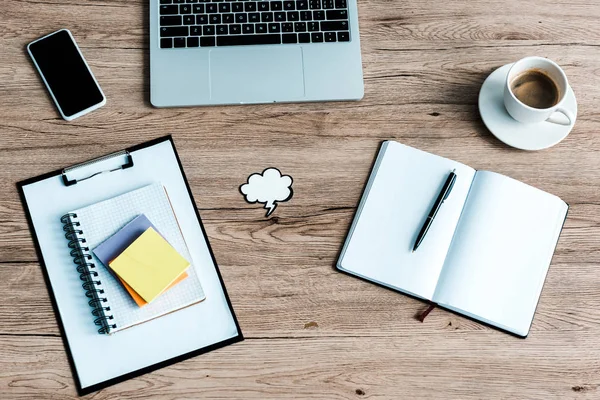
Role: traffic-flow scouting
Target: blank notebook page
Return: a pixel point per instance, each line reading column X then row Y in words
column 403, row 187
column 501, row 252
column 102, row 220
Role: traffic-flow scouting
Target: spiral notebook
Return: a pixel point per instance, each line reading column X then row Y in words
column 112, row 306
column 105, row 194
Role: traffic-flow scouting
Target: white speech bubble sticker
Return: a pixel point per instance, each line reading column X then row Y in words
column 268, row 188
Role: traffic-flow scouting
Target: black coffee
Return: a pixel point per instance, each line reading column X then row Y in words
column 536, row 89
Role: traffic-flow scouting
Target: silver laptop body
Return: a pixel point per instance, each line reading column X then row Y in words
column 252, row 73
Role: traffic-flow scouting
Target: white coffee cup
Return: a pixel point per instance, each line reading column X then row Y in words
column 529, row 115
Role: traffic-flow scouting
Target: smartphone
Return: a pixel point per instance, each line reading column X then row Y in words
column 66, row 74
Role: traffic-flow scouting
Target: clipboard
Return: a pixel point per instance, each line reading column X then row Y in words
column 98, row 361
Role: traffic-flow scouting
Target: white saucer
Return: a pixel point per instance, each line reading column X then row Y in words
column 516, row 134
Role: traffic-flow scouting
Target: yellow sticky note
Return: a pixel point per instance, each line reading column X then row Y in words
column 149, row 265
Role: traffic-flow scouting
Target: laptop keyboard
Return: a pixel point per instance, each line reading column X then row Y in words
column 205, row 23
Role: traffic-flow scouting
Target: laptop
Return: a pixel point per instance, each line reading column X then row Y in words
column 242, row 52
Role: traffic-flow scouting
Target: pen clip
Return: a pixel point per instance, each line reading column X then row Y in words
column 453, row 175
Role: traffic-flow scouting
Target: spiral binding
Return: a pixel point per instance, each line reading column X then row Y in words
column 85, row 268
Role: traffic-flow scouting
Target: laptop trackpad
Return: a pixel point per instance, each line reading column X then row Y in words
column 251, row 75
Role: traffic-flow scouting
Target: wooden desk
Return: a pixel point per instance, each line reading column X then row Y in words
column 312, row 332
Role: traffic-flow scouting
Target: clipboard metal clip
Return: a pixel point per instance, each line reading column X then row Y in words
column 104, row 159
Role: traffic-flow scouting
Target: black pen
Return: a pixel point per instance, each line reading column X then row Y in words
column 436, row 207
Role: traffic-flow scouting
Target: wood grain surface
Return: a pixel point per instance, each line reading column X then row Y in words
column 312, row 332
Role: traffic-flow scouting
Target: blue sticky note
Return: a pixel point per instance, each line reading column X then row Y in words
column 112, row 247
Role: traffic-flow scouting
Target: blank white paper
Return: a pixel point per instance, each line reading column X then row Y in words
column 501, row 252
column 403, row 187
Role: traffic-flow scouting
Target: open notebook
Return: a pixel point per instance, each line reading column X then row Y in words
column 114, row 308
column 485, row 256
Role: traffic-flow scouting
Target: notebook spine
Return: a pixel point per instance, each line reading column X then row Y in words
column 88, row 273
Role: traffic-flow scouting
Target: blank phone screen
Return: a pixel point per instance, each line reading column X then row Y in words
column 66, row 73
